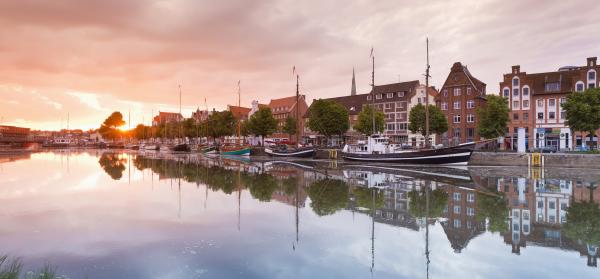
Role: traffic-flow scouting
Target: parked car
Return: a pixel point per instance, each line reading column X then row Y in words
column 545, row 149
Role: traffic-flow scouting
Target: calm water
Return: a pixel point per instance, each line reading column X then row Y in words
column 118, row 215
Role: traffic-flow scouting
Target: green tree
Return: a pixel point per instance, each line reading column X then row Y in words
column 113, row 165
column 328, row 118
column 221, row 123
column 289, row 126
column 262, row 123
column 438, row 199
column 438, row 124
column 328, row 196
column 493, row 118
column 583, row 111
column 109, row 128
column 494, row 208
column 365, row 121
column 583, row 222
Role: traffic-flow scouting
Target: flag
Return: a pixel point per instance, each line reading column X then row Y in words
column 294, row 70
column 371, row 52
column 239, row 82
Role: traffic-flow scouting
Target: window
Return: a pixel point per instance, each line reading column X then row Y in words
column 525, row 215
column 563, row 100
column 506, row 92
column 378, row 96
column 470, row 118
column 457, row 223
column 516, row 92
column 516, row 227
column 591, row 85
column 525, row 91
column 540, row 115
column 457, row 132
column 591, row 75
column 444, row 106
column 470, row 133
column 526, row 228
column 457, row 92
column 540, row 103
column 526, row 116
column 515, row 104
column 551, row 115
column 390, row 95
column 552, row 102
column 470, row 211
column 525, row 103
column 401, row 126
column 401, row 94
column 456, row 105
column 399, row 105
column 552, row 86
column 445, row 92
column 515, row 116
column 390, row 126
column 540, row 204
column 456, row 196
column 457, row 209
column 419, row 100
column 551, row 205
column 388, row 105
column 471, row 197
column 470, row 104
column 469, row 90
column 456, row 118
column 516, row 81
column 563, row 114
column 369, row 97
column 579, row 87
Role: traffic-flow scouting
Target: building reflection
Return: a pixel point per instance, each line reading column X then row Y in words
column 530, row 210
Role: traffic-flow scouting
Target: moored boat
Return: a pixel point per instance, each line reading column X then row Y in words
column 284, row 151
column 239, row 150
column 378, row 149
column 183, row 147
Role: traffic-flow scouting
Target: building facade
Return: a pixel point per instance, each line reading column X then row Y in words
column 535, row 104
column 459, row 98
column 166, row 117
column 283, row 108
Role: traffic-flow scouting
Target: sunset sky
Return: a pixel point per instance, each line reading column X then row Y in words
column 89, row 58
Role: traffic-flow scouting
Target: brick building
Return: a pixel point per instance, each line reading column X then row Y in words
column 13, row 134
column 166, row 117
column 535, row 103
column 286, row 107
column 239, row 113
column 459, row 98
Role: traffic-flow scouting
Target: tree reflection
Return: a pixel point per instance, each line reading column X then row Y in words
column 328, row 196
column 583, row 222
column 418, row 203
column 262, row 186
column 364, row 198
column 113, row 165
column 494, row 207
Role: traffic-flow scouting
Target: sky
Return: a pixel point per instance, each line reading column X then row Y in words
column 82, row 60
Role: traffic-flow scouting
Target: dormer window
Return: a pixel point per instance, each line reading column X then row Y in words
column 552, row 86
column 378, row 96
column 390, row 95
column 368, row 97
column 400, row 94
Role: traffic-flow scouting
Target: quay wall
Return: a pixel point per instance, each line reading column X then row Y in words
column 561, row 160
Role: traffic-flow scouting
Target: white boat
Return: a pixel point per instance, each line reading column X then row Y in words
column 378, row 149
column 150, row 146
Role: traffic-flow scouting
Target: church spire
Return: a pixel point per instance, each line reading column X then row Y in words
column 353, row 89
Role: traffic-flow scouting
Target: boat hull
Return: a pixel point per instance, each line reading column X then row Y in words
column 443, row 156
column 239, row 152
column 303, row 153
column 181, row 148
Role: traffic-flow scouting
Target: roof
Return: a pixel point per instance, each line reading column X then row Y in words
column 352, row 103
column 163, row 114
column 406, row 86
column 239, row 112
column 537, row 81
column 458, row 67
column 287, row 102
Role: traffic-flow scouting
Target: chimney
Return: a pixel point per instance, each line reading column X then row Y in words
column 516, row 69
column 591, row 61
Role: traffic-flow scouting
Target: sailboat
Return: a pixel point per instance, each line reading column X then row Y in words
column 236, row 148
column 297, row 151
column 378, row 149
column 151, row 145
column 182, row 146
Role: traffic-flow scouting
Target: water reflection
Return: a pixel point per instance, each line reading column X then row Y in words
column 337, row 220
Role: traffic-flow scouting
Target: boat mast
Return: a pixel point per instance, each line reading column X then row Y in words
column 427, row 143
column 297, row 111
column 239, row 106
column 179, row 119
column 373, row 91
